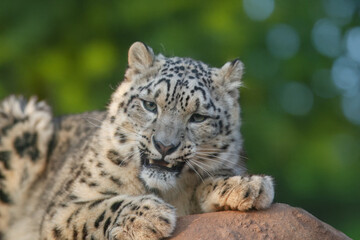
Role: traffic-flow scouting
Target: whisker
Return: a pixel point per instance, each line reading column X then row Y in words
column 197, row 163
column 216, row 151
column 93, row 119
column 127, row 158
column 226, row 162
column 208, row 152
column 202, row 159
column 98, row 120
column 212, row 157
column 93, row 124
column 192, row 167
column 130, row 130
column 111, row 87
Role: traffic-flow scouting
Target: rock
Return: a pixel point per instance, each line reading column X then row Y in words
column 280, row 221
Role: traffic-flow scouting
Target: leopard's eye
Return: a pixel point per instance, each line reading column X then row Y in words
column 197, row 118
column 150, row 106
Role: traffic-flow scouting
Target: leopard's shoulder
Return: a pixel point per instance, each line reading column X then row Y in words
column 71, row 133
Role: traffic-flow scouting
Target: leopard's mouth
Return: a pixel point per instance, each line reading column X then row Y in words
column 160, row 164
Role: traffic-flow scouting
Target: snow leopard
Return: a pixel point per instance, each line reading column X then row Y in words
column 168, row 145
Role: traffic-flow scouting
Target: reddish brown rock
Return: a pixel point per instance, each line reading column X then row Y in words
column 281, row 221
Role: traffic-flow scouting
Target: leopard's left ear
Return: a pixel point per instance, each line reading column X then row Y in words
column 140, row 56
column 230, row 76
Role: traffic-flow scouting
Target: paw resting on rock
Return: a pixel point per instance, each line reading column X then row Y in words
column 148, row 218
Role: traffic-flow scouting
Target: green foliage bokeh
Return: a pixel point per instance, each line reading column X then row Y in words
column 74, row 53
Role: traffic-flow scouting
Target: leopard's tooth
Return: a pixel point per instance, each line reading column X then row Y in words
column 169, row 165
column 151, row 161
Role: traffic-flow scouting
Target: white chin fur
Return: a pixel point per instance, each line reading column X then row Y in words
column 158, row 179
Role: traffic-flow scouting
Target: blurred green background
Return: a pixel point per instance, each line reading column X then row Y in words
column 301, row 100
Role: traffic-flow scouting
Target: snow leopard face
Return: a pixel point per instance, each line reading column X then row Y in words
column 176, row 117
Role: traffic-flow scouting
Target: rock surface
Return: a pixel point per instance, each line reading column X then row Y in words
column 280, row 221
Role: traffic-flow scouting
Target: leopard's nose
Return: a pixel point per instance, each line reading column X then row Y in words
column 165, row 149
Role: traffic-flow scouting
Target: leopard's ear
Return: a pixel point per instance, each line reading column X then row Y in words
column 140, row 56
column 230, row 76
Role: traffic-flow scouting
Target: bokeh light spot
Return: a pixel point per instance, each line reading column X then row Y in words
column 345, row 74
column 283, row 41
column 296, row 98
column 353, row 43
column 340, row 10
column 259, row 10
column 326, row 37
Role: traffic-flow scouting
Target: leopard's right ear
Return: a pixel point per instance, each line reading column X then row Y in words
column 140, row 56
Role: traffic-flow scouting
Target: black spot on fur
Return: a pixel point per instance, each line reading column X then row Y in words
column 114, row 157
column 116, row 181
column 50, row 206
column 121, row 105
column 135, row 208
column 153, row 230
column 94, row 204
column 157, row 93
column 112, row 119
column 68, row 221
column 202, row 91
column 63, row 205
column 84, row 232
column 115, row 206
column 109, row 193
column 5, row 159
column 57, row 233
column 4, row 197
column 167, row 221
column 225, row 147
column 69, row 184
column 75, row 233
column 247, row 194
column 93, row 184
column 106, row 224
column 99, row 219
column 26, row 145
column 224, row 191
column 72, row 197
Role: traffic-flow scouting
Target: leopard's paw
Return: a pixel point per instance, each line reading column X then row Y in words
column 244, row 193
column 266, row 193
column 241, row 193
column 148, row 218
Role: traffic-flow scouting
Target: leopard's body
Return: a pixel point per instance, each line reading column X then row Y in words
column 168, row 145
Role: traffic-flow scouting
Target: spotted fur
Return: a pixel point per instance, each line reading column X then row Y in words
column 168, row 145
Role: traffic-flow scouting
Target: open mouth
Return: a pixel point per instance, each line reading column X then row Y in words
column 161, row 164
